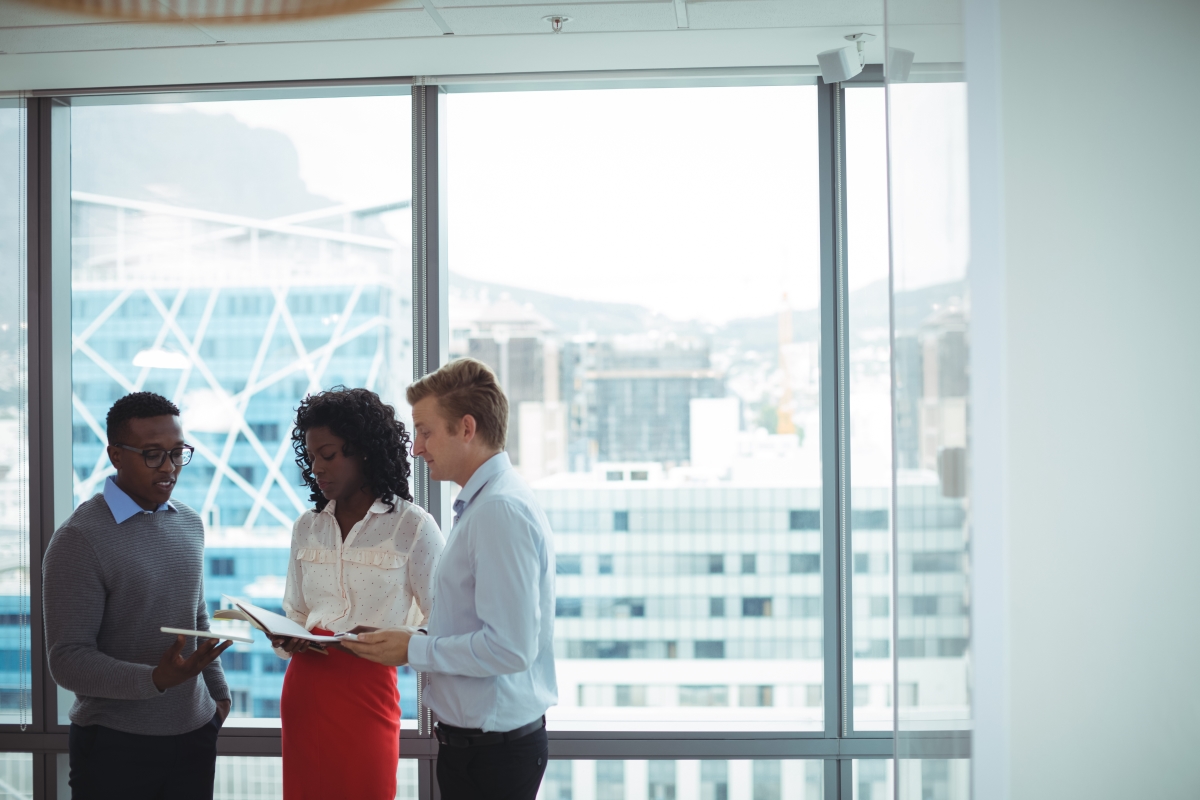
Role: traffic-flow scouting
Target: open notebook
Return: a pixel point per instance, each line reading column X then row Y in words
column 271, row 623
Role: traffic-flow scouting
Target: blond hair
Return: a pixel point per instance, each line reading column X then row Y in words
column 467, row 386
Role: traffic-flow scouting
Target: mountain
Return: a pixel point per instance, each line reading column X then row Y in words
column 183, row 157
column 869, row 308
column 570, row 315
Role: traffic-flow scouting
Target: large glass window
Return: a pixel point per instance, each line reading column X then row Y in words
column 929, row 208
column 872, row 779
column 870, row 429
column 683, row 780
column 14, row 425
column 641, row 269
column 16, row 776
column 927, row 779
column 239, row 778
column 235, row 257
column 258, row 778
column 929, row 368
column 935, row 778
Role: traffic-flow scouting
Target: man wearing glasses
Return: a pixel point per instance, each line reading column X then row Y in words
column 128, row 562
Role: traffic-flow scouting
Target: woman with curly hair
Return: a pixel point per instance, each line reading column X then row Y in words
column 363, row 558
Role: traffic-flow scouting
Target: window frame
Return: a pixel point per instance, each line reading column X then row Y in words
column 48, row 156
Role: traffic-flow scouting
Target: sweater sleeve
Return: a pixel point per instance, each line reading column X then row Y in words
column 214, row 675
column 73, row 601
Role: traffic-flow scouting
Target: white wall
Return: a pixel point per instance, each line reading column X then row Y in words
column 1086, row 296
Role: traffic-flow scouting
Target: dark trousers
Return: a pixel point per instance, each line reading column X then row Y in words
column 129, row 766
column 508, row 771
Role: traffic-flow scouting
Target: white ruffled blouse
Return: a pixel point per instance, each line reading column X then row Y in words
column 381, row 575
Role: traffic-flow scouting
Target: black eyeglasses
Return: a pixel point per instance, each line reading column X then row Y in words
column 154, row 457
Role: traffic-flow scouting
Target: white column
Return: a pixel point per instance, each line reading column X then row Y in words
column 687, row 780
column 791, row 783
column 637, row 780
column 741, row 780
column 583, row 780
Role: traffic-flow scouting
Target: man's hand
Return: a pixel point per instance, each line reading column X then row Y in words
column 173, row 669
column 291, row 645
column 223, row 707
column 388, row 647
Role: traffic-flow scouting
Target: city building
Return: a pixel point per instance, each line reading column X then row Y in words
column 520, row 347
column 280, row 310
column 634, row 394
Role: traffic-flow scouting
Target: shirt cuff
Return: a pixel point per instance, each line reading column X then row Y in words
column 418, row 652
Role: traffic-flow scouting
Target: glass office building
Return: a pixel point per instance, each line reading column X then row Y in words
column 235, row 308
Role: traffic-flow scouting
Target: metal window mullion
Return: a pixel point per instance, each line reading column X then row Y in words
column 894, row 497
column 430, row 275
column 45, row 776
column 33, row 398
column 846, row 779
column 419, row 316
column 48, row 210
column 420, row 320
column 835, row 445
column 430, row 306
column 845, row 487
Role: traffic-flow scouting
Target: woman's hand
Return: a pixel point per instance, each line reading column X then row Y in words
column 292, row 645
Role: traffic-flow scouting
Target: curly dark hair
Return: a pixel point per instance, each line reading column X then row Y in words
column 370, row 429
column 138, row 405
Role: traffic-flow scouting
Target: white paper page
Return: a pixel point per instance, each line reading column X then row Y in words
column 232, row 637
column 235, row 614
column 277, row 624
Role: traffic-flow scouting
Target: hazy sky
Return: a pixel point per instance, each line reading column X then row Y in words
column 698, row 203
column 347, row 145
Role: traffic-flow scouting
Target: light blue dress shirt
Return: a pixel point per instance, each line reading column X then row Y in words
column 123, row 506
column 490, row 648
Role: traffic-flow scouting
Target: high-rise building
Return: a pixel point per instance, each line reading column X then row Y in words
column 519, row 345
column 274, row 315
column 629, row 397
column 907, row 369
column 673, row 594
column 943, row 403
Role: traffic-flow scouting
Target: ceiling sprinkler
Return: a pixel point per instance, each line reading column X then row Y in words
column 556, row 22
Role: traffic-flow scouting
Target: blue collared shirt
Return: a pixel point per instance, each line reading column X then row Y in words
column 123, row 506
column 490, row 647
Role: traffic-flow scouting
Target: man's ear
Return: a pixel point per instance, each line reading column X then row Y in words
column 468, row 428
column 114, row 457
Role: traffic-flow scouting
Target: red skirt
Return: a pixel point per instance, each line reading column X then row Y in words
column 341, row 727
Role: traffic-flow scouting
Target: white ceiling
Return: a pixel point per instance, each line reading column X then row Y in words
column 46, row 48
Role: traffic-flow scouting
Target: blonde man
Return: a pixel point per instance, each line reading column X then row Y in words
column 490, row 643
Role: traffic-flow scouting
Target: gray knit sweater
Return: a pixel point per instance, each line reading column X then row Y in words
column 107, row 589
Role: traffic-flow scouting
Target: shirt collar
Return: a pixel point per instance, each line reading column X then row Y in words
column 487, row 470
column 378, row 507
column 122, row 505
